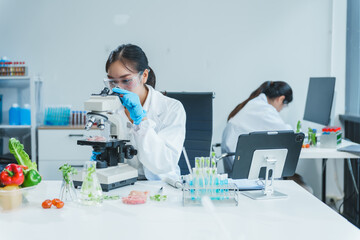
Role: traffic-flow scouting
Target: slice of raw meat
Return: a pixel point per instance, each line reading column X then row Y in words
column 135, row 197
column 96, row 139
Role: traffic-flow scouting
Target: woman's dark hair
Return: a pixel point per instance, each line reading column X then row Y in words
column 271, row 90
column 133, row 58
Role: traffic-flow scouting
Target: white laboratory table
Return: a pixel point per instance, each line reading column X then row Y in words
column 324, row 154
column 318, row 152
column 300, row 216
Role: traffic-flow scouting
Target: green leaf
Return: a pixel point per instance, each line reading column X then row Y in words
column 116, row 197
column 158, row 197
column 66, row 171
column 22, row 158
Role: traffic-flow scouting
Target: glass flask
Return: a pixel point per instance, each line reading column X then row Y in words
column 67, row 192
column 90, row 193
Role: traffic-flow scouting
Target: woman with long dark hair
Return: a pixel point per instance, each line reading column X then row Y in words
column 154, row 123
column 260, row 112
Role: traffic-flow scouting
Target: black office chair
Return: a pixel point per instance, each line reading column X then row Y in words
column 199, row 121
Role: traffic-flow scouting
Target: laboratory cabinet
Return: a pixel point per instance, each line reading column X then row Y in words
column 18, row 90
column 57, row 146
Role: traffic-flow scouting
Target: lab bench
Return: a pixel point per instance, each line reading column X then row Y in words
column 300, row 216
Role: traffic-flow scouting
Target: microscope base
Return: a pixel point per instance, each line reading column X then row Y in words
column 112, row 177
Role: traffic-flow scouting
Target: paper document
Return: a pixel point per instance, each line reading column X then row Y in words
column 245, row 184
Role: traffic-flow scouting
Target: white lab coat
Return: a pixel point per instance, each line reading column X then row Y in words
column 257, row 115
column 159, row 139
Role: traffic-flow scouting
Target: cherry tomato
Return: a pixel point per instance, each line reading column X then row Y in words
column 59, row 204
column 55, row 200
column 46, row 204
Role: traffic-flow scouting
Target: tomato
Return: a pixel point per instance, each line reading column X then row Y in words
column 59, row 204
column 55, row 200
column 47, row 203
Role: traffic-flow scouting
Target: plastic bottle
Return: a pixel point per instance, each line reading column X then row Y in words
column 25, row 115
column 14, row 114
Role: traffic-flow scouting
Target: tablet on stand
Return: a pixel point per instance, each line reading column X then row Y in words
column 267, row 155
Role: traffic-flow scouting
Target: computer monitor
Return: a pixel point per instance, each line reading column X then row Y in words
column 319, row 100
column 266, row 155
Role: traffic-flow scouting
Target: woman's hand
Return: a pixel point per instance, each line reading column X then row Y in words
column 132, row 103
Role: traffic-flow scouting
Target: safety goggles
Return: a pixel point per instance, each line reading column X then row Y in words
column 124, row 83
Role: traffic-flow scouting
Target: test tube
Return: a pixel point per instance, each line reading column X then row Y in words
column 197, row 183
column 213, row 159
column 207, row 162
column 226, row 183
column 84, row 117
column 197, row 162
column 73, row 117
column 81, row 118
column 202, row 162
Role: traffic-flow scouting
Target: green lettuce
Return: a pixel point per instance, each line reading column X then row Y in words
column 17, row 149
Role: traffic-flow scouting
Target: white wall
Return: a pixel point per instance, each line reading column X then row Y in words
column 229, row 47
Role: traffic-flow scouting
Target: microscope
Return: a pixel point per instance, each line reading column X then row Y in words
column 109, row 152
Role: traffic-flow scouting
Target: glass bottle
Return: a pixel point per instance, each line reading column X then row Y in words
column 67, row 192
column 90, row 193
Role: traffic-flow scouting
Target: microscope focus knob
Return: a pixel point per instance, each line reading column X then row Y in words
column 129, row 151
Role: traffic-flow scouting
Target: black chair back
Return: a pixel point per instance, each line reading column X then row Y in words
column 199, row 122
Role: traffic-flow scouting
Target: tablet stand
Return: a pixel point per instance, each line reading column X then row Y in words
column 273, row 160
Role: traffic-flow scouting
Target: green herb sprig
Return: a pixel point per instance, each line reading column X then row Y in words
column 66, row 170
column 158, row 198
column 116, row 197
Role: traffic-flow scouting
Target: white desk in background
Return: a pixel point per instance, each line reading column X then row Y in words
column 324, row 154
column 300, row 216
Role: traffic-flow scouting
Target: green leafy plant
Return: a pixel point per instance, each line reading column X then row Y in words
column 67, row 169
column 116, row 197
column 158, row 197
column 32, row 176
column 312, row 137
column 17, row 149
column 298, row 126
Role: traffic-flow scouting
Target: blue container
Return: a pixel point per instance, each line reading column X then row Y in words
column 25, row 115
column 14, row 114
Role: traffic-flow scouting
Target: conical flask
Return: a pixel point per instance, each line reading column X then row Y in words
column 90, row 193
column 67, row 192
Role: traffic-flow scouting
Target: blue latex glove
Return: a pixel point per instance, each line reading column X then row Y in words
column 94, row 155
column 132, row 103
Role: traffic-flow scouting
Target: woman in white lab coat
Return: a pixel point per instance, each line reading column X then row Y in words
column 260, row 112
column 154, row 123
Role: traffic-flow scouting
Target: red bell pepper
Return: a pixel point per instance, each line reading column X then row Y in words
column 12, row 175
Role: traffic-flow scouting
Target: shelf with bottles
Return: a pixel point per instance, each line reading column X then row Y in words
column 12, row 68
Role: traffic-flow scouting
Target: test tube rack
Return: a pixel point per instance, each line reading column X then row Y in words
column 221, row 193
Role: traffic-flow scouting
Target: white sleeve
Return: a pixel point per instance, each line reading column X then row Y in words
column 274, row 121
column 160, row 151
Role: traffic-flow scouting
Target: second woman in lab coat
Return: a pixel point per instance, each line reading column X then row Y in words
column 260, row 112
column 154, row 123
